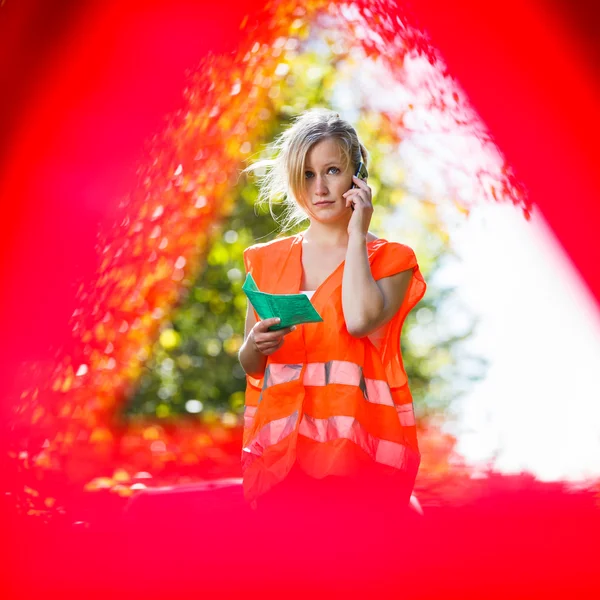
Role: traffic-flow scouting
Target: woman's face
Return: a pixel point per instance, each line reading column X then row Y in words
column 325, row 180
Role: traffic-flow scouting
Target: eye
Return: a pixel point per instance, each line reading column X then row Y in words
column 333, row 170
column 308, row 174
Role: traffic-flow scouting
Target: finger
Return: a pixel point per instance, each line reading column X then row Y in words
column 270, row 348
column 361, row 183
column 363, row 194
column 267, row 348
column 262, row 343
column 351, row 198
column 268, row 338
column 356, row 193
column 266, row 323
column 359, row 202
column 276, row 334
column 273, row 336
column 365, row 200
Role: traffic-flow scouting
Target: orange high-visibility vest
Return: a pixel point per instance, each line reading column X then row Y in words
column 331, row 403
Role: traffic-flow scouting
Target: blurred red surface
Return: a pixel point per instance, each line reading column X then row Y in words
column 86, row 85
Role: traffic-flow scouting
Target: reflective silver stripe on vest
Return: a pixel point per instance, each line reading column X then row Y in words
column 343, row 427
column 385, row 452
column 348, row 373
column 334, row 371
column 341, row 372
column 249, row 412
column 378, row 392
column 277, row 373
column 269, row 435
column 406, row 414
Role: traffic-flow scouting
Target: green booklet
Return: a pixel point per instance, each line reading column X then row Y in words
column 292, row 309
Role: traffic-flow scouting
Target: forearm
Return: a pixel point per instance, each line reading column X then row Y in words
column 252, row 360
column 362, row 300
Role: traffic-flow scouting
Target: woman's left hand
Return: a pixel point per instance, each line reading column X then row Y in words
column 360, row 198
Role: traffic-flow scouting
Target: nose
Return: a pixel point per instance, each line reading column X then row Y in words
column 320, row 187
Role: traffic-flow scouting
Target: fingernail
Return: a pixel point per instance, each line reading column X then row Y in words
column 293, row 328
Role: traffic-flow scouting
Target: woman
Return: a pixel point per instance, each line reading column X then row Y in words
column 328, row 409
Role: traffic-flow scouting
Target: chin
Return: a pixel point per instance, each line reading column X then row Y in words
column 337, row 217
column 326, row 215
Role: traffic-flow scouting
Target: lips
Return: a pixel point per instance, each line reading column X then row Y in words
column 324, row 203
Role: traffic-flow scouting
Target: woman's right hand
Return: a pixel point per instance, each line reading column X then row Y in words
column 265, row 341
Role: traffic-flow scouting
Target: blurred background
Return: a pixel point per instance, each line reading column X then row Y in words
column 124, row 134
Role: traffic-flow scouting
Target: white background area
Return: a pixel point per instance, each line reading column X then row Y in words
column 538, row 409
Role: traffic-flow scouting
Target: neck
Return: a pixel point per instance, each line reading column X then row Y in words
column 327, row 234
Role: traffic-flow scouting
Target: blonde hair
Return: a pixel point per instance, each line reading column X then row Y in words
column 283, row 178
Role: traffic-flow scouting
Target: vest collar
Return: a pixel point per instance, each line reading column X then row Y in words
column 289, row 278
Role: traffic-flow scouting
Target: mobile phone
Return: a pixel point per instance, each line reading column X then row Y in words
column 361, row 172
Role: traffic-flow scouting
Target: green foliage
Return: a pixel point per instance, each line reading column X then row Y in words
column 200, row 361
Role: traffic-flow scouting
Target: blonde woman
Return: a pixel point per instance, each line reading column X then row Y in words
column 329, row 421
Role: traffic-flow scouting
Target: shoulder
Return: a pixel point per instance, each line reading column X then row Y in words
column 387, row 258
column 275, row 245
column 383, row 246
column 272, row 245
column 257, row 252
